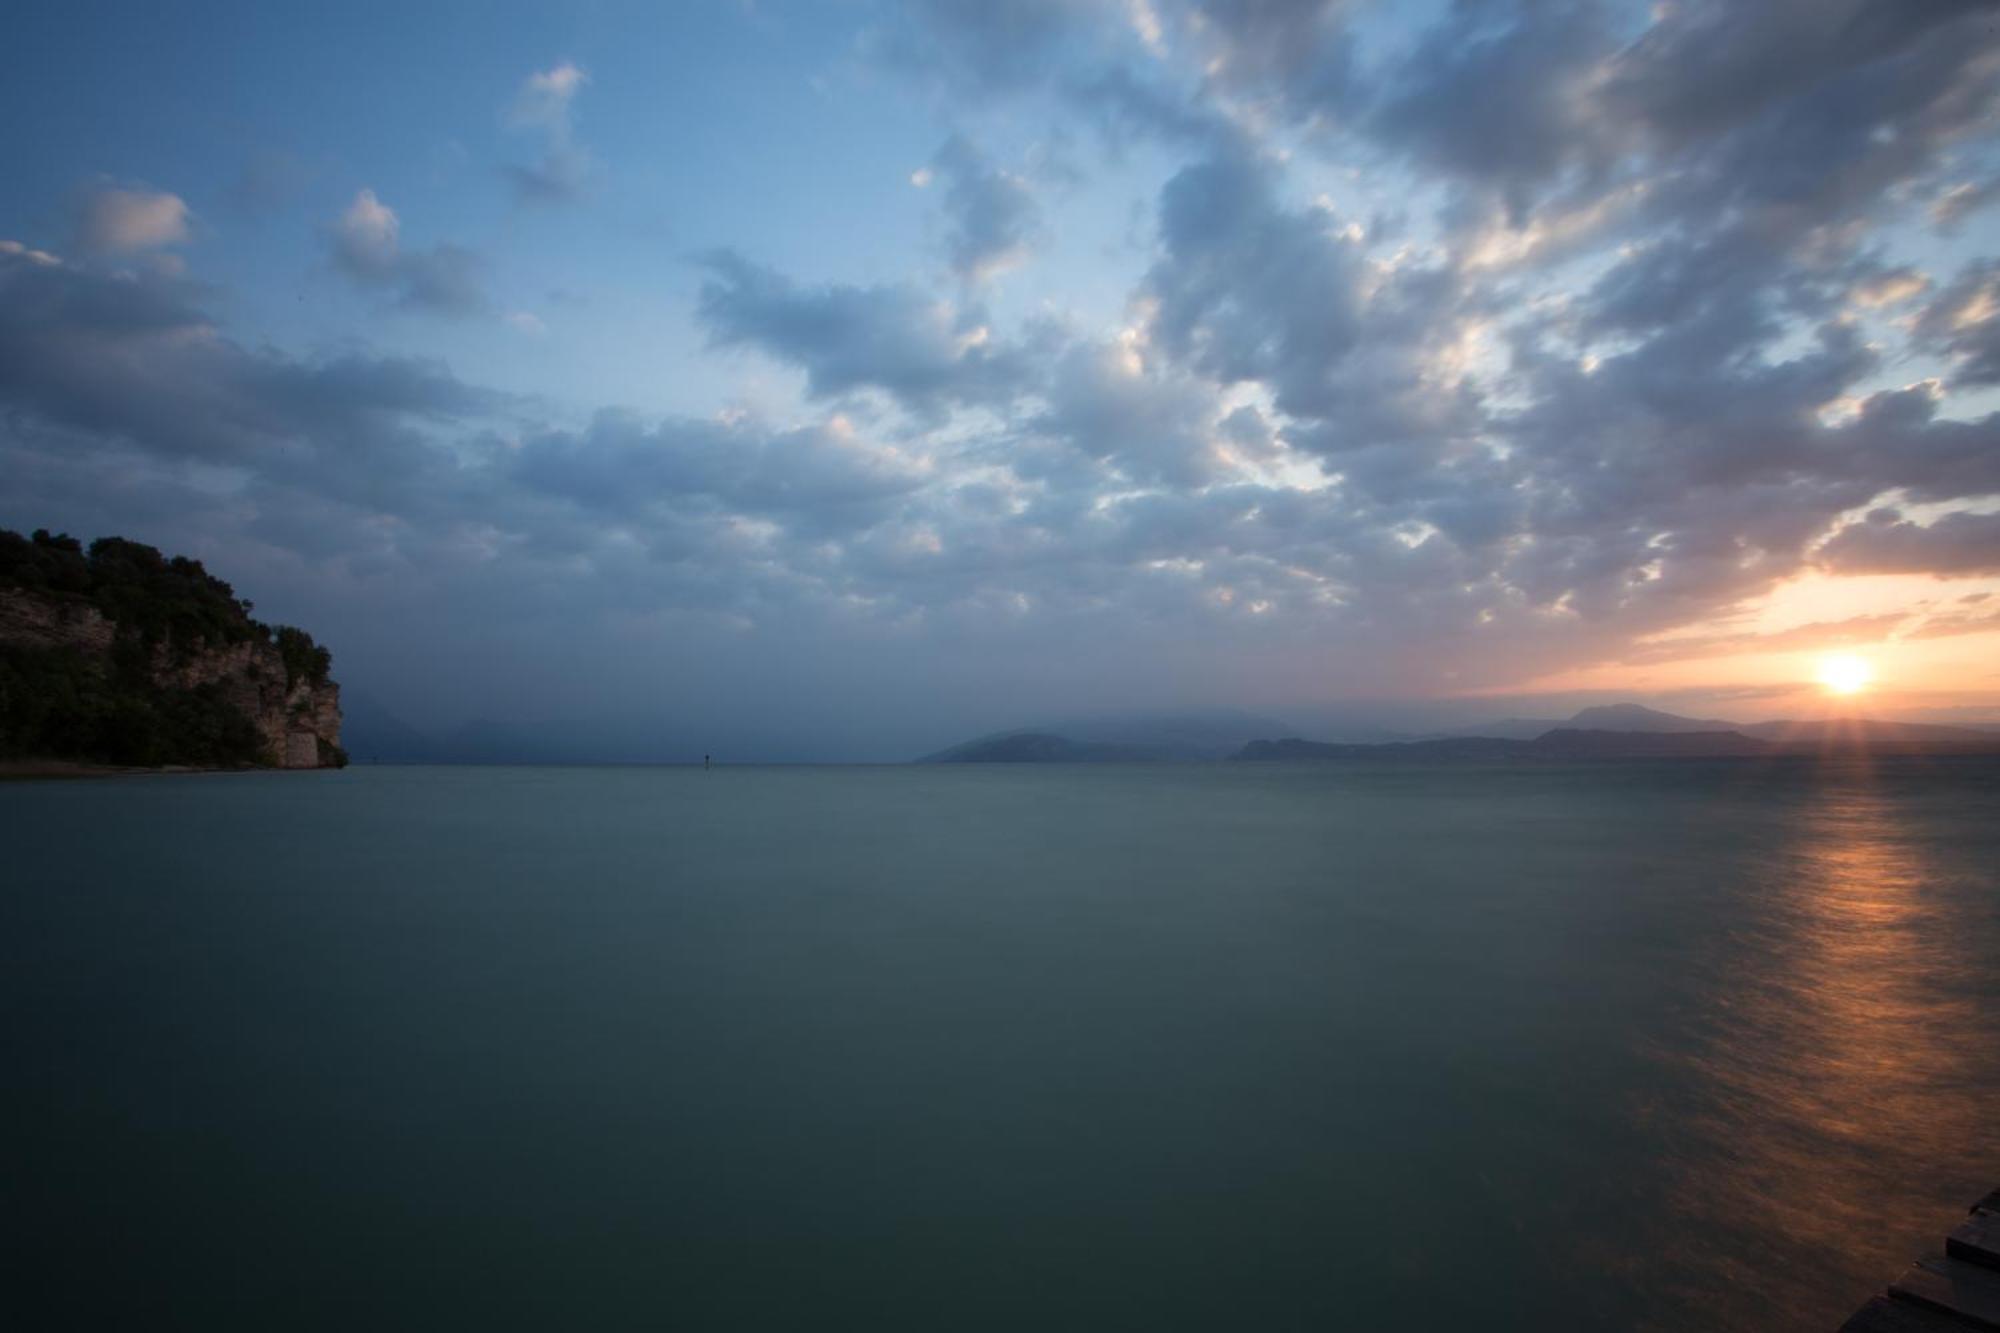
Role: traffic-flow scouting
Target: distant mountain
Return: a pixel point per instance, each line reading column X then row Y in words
column 1583, row 743
column 1444, row 747
column 640, row 739
column 1500, row 728
column 1039, row 747
column 1214, row 734
column 1122, row 738
column 1638, row 717
column 1603, row 717
column 374, row 734
column 1773, row 739
column 1558, row 743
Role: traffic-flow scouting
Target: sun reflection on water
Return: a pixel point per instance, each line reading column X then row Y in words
column 1836, row 1063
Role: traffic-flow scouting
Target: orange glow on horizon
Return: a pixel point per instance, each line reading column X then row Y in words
column 1928, row 643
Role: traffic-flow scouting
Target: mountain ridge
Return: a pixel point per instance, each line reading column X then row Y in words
column 1666, row 735
column 1609, row 731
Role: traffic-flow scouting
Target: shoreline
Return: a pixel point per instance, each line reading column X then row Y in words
column 58, row 770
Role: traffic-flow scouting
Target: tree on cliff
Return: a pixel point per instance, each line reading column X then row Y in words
column 63, row 700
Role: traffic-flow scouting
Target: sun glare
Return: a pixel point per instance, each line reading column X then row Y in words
column 1844, row 673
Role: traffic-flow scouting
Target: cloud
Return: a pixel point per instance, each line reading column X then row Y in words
column 1890, row 287
column 1154, row 429
column 993, row 215
column 365, row 244
column 894, row 338
column 1950, row 625
column 1885, row 542
column 1712, row 68
column 1963, row 322
column 121, row 402
column 823, row 479
column 545, row 107
column 992, row 47
column 135, row 358
column 546, row 96
column 1498, row 95
column 1590, row 355
column 1961, row 201
column 1248, row 290
column 1296, row 55
column 365, row 239
column 112, row 220
column 1864, row 629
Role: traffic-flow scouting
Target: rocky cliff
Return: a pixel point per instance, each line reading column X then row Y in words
column 298, row 719
column 120, row 655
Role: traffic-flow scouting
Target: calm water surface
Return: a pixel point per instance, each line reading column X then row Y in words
column 1643, row 1046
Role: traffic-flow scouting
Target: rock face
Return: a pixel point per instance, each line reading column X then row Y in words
column 45, row 622
column 297, row 719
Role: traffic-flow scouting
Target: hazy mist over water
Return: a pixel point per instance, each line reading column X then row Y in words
column 1668, row 1046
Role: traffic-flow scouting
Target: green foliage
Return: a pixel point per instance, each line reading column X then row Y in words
column 62, row 703
column 304, row 659
column 160, row 600
column 57, row 703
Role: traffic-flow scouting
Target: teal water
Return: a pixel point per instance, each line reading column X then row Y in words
column 1661, row 1046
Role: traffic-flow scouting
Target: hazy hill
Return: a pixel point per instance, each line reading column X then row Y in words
column 1605, row 731
column 1559, row 743
column 374, row 734
column 1602, row 717
column 1189, row 735
column 1637, row 717
column 1040, row 747
column 1118, row 738
column 1883, row 739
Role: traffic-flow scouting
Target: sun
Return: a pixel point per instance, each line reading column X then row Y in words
column 1844, row 673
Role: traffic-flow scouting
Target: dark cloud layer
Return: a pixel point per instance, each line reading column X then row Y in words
column 134, row 358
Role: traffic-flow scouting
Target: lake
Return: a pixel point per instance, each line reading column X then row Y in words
column 1678, row 1045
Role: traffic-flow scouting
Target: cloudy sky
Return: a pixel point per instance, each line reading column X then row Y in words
column 883, row 373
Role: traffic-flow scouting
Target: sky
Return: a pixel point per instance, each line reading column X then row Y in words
column 843, row 379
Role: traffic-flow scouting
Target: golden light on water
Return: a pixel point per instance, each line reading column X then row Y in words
column 1830, row 1069
column 1844, row 673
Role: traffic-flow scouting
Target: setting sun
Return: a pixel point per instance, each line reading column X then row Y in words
column 1844, row 673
